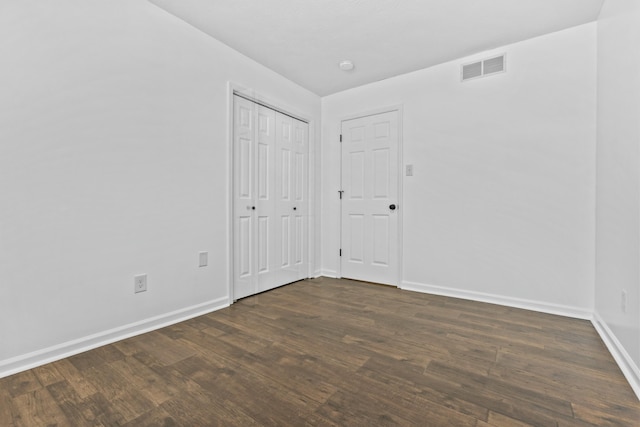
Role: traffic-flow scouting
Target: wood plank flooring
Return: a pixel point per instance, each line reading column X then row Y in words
column 332, row 352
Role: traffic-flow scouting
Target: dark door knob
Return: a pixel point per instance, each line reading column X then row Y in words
column 295, row 208
column 253, row 208
column 392, row 207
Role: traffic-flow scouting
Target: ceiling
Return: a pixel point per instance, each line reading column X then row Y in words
column 304, row 40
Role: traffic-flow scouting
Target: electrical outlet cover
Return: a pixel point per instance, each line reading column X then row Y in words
column 140, row 283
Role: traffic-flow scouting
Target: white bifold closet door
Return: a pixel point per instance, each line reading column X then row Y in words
column 270, row 212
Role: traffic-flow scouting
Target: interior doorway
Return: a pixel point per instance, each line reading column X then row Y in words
column 370, row 205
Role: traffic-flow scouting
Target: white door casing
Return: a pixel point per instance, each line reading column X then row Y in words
column 370, row 205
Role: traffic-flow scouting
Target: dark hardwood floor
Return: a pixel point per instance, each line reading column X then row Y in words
column 336, row 352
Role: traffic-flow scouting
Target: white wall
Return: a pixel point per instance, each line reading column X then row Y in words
column 501, row 205
column 618, row 185
column 113, row 162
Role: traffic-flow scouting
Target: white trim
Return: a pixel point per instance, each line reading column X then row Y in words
column 373, row 112
column 312, row 209
column 257, row 97
column 231, row 87
column 338, row 272
column 400, row 254
column 329, row 273
column 629, row 369
column 540, row 306
column 80, row 345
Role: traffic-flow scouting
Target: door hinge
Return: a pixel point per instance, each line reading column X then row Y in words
column 340, row 137
column 340, row 252
column 340, row 193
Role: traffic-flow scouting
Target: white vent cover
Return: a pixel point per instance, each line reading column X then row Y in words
column 471, row 71
column 483, row 68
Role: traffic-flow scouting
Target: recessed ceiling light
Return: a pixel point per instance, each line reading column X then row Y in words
column 346, row 65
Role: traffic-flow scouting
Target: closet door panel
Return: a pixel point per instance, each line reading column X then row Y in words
column 244, row 181
column 267, row 241
column 300, row 172
column 285, row 181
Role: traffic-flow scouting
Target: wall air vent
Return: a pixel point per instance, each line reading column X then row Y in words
column 471, row 71
column 483, row 68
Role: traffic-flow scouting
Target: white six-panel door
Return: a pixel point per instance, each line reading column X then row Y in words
column 265, row 214
column 244, row 235
column 270, row 212
column 300, row 173
column 292, row 201
column 370, row 218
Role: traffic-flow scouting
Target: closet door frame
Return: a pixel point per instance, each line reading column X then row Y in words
column 251, row 95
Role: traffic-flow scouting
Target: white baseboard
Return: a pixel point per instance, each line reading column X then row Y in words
column 620, row 355
column 543, row 307
column 630, row 370
column 329, row 273
column 70, row 348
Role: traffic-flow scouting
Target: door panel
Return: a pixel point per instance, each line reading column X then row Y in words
column 285, row 229
column 355, row 254
column 254, row 140
column 300, row 172
column 299, row 241
column 264, row 252
column 285, row 148
column 292, row 164
column 299, row 177
column 266, row 203
column 370, row 186
column 381, row 239
column 246, row 169
column 243, row 185
column 264, row 178
column 381, row 179
column 356, row 175
column 246, row 244
column 285, row 174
